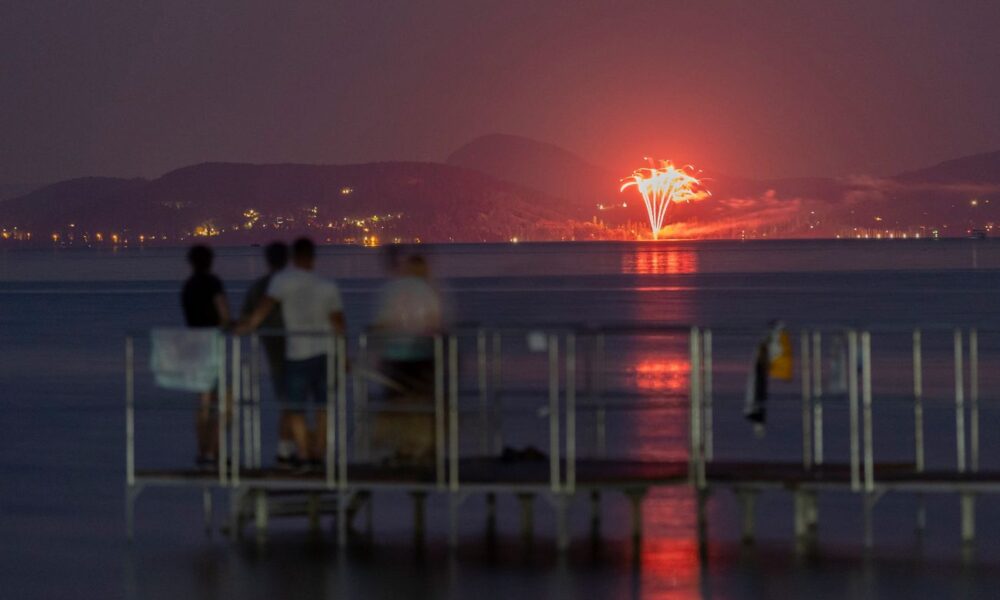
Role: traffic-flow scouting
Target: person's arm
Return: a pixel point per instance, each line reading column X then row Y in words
column 257, row 317
column 222, row 307
column 338, row 322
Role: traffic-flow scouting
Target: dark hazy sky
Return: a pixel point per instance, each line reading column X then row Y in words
column 137, row 87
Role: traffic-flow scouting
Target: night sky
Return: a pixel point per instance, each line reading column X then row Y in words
column 763, row 88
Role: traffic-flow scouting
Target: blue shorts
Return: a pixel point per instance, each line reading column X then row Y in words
column 305, row 381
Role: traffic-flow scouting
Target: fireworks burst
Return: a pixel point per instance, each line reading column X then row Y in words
column 661, row 186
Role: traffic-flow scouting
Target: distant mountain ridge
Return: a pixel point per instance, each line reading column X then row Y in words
column 250, row 202
column 495, row 188
column 541, row 166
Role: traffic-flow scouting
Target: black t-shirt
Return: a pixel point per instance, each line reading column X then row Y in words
column 198, row 300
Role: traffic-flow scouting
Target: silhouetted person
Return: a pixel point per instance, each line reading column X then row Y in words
column 310, row 305
column 273, row 341
column 204, row 301
column 409, row 315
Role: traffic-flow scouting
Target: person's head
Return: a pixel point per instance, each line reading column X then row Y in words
column 303, row 253
column 416, row 266
column 276, row 255
column 200, row 259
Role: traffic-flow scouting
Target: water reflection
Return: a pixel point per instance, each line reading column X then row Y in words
column 660, row 259
column 660, row 374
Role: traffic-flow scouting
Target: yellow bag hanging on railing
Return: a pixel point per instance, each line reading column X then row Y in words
column 780, row 351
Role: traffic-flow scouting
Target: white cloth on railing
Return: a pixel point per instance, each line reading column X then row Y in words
column 186, row 359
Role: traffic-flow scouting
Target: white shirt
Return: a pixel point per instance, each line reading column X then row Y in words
column 307, row 301
column 409, row 311
column 409, row 305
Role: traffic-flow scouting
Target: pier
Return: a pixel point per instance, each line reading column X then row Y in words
column 554, row 378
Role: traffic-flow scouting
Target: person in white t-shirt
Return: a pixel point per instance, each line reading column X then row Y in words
column 312, row 309
column 408, row 318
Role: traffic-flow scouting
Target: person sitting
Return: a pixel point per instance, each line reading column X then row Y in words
column 203, row 300
column 312, row 310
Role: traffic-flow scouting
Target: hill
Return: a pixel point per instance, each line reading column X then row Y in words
column 578, row 184
column 977, row 168
column 251, row 203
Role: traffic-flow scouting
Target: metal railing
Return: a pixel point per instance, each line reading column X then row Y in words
column 240, row 373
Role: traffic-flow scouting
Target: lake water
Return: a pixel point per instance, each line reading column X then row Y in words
column 64, row 313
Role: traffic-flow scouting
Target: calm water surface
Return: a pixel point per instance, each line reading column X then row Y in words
column 63, row 315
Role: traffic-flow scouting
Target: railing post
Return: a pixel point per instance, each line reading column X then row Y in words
column 496, row 401
column 918, row 400
column 453, row 413
column 340, row 418
column 331, row 411
column 866, row 369
column 221, row 391
column 852, row 390
column 237, row 407
column 246, row 414
column 484, row 398
column 439, row 441
column 974, row 399
column 554, row 479
column 600, row 416
column 707, row 419
column 817, row 381
column 570, row 412
column 129, row 411
column 694, row 410
column 255, row 370
column 806, row 371
column 340, row 421
column 361, row 438
column 959, row 402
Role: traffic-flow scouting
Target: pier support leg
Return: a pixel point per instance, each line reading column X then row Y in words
column 748, row 499
column 560, row 503
column 921, row 518
column 235, row 526
column 868, row 501
column 636, row 496
column 419, row 510
column 312, row 511
column 454, row 500
column 491, row 516
column 343, row 521
column 806, row 517
column 702, row 522
column 595, row 516
column 131, row 494
column 260, row 514
column 206, row 506
column 527, row 516
column 968, row 501
column 370, row 515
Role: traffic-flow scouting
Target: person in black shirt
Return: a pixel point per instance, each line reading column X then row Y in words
column 273, row 340
column 204, row 301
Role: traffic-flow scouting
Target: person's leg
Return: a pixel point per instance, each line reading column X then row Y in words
column 207, row 427
column 298, row 432
column 275, row 349
column 319, row 436
column 286, row 438
column 297, row 380
column 317, row 384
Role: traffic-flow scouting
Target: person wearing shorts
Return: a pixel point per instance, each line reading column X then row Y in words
column 312, row 310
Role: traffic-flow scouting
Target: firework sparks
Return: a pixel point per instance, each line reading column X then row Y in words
column 659, row 186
